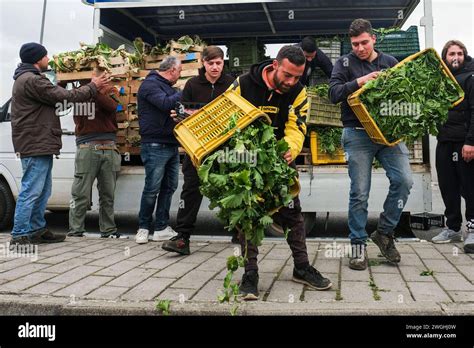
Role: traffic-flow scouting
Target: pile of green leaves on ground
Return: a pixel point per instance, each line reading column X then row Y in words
column 247, row 190
column 420, row 83
column 329, row 139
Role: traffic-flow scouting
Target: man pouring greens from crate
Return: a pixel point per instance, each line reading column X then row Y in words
column 351, row 72
column 274, row 87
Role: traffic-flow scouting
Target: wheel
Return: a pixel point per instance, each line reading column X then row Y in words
column 7, row 206
column 59, row 211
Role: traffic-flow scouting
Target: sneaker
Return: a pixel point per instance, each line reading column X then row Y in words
column 177, row 244
column 46, row 236
column 248, row 288
column 142, row 236
column 358, row 260
column 386, row 246
column 447, row 235
column 310, row 276
column 469, row 240
column 164, row 234
column 19, row 242
column 75, row 234
column 114, row 235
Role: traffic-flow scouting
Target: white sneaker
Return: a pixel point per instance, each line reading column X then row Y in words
column 142, row 236
column 164, row 234
column 447, row 236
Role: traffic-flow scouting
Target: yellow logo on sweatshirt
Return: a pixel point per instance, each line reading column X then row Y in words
column 270, row 109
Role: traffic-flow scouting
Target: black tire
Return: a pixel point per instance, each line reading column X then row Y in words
column 7, row 206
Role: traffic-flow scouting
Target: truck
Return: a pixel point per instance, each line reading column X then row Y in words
column 323, row 188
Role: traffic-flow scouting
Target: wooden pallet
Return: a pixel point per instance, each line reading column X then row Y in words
column 129, row 150
column 177, row 46
column 121, row 116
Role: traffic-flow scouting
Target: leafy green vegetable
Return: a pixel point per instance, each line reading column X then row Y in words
column 410, row 101
column 329, row 139
column 426, row 273
column 163, row 306
column 321, row 90
column 248, row 179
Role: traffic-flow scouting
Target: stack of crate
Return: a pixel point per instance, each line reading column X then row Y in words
column 128, row 135
column 119, row 69
column 191, row 62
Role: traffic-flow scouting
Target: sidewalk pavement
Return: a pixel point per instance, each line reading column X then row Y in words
column 93, row 276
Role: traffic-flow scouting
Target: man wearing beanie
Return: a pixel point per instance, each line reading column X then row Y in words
column 36, row 135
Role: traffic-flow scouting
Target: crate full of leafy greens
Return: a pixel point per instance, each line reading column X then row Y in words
column 407, row 101
column 321, row 111
column 326, row 146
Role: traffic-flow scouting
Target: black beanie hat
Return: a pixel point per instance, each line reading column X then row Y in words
column 32, row 52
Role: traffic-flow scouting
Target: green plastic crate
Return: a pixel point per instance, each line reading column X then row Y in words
column 242, row 53
column 399, row 44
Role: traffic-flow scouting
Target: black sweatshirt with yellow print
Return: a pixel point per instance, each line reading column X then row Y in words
column 287, row 111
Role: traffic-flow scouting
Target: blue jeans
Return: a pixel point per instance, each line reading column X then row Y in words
column 360, row 152
column 161, row 163
column 35, row 191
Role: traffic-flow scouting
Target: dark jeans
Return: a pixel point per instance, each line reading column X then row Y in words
column 190, row 201
column 292, row 218
column 456, row 179
column 161, row 163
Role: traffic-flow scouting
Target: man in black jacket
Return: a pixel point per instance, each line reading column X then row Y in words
column 455, row 151
column 314, row 58
column 197, row 92
column 273, row 86
column 351, row 72
column 159, row 150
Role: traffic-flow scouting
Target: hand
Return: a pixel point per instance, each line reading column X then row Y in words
column 468, row 152
column 287, row 156
column 174, row 116
column 364, row 79
column 101, row 81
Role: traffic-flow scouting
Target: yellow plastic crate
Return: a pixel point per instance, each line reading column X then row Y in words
column 202, row 133
column 318, row 157
column 368, row 122
column 322, row 112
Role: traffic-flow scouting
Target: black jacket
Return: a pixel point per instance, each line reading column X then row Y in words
column 156, row 98
column 287, row 111
column 198, row 91
column 343, row 82
column 320, row 61
column 460, row 124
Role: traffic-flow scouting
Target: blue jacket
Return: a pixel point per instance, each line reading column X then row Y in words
column 155, row 99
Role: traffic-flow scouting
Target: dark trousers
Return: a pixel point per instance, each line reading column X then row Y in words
column 287, row 217
column 456, row 179
column 190, row 201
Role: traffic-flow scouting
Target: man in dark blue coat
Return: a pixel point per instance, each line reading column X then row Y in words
column 159, row 150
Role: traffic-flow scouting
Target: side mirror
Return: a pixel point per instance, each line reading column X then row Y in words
column 5, row 112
